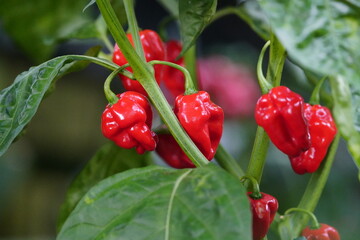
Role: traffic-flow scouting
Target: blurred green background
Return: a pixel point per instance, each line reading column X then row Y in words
column 65, row 132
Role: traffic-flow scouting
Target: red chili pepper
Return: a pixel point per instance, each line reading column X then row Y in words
column 128, row 122
column 263, row 212
column 153, row 49
column 281, row 113
column 322, row 130
column 173, row 78
column 169, row 150
column 202, row 120
column 325, row 232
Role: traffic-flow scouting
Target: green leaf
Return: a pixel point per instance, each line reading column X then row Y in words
column 194, row 16
column 325, row 41
column 161, row 203
column 171, row 5
column 110, row 159
column 20, row 101
column 300, row 238
column 33, row 24
column 344, row 116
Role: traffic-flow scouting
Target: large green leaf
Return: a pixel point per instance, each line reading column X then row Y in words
column 194, row 16
column 110, row 159
column 324, row 36
column 32, row 23
column 161, row 203
column 20, row 101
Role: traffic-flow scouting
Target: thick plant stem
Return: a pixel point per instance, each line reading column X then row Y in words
column 130, row 13
column 227, row 162
column 258, row 154
column 143, row 72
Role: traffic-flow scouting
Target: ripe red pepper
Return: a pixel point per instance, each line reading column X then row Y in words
column 128, row 122
column 173, row 78
column 169, row 150
column 263, row 212
column 322, row 130
column 153, row 49
column 281, row 113
column 202, row 120
column 325, row 232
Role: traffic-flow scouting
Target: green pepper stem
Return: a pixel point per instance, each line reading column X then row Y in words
column 133, row 26
column 189, row 86
column 227, row 162
column 254, row 186
column 315, row 96
column 110, row 95
column 264, row 84
column 258, row 154
column 315, row 225
column 145, row 76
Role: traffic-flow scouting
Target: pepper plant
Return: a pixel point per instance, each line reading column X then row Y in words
column 196, row 197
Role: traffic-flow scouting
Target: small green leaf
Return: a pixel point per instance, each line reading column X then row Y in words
column 300, row 238
column 110, row 159
column 20, row 101
column 194, row 15
column 161, row 203
column 171, row 5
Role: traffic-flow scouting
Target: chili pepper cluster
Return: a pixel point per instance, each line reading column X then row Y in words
column 298, row 129
column 128, row 122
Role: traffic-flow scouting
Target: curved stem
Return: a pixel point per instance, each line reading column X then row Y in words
column 143, row 73
column 110, row 95
column 315, row 225
column 134, row 30
column 315, row 96
column 264, row 84
column 189, row 85
column 227, row 162
column 254, row 186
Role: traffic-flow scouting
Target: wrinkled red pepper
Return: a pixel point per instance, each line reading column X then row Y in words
column 322, row 130
column 202, row 120
column 281, row 113
column 173, row 78
column 153, row 49
column 170, row 151
column 128, row 122
column 263, row 212
column 325, row 232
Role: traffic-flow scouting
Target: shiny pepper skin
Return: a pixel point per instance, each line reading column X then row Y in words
column 173, row 78
column 325, row 232
column 202, row 120
column 128, row 122
column 322, row 130
column 263, row 212
column 153, row 49
column 170, row 151
column 281, row 113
